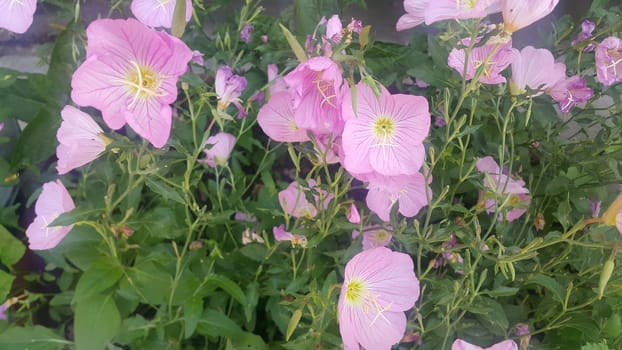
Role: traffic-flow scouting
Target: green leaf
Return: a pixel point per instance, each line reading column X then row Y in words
column 364, row 36
column 11, row 249
column 165, row 190
column 6, row 281
column 228, row 286
column 101, row 275
column 31, row 338
column 592, row 346
column 61, row 66
column 293, row 323
column 294, row 44
column 550, row 284
column 216, row 324
column 179, row 18
column 38, row 140
column 97, row 321
column 71, row 217
column 193, row 309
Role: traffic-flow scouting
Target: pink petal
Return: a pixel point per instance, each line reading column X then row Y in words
column 156, row 13
column 16, row 16
column 276, row 119
column 619, row 221
column 53, row 201
column 79, row 140
column 151, row 120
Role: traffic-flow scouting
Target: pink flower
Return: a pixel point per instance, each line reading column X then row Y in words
column 3, row 309
column 460, row 344
column 229, row 87
column 458, row 9
column 535, row 69
column 249, row 236
column 157, row 13
column 281, row 235
column 247, row 32
column 609, row 61
column 502, row 190
column 334, row 29
column 587, row 27
column 407, row 190
column 53, row 201
column 130, row 74
column 220, row 150
column 353, row 214
column 414, row 14
column 316, row 85
column 80, row 140
column 276, row 119
column 379, row 285
column 376, row 238
column 619, row 221
column 386, row 135
column 197, row 57
column 16, row 15
column 277, row 83
column 295, row 203
column 518, row 14
column 571, row 91
column 482, row 55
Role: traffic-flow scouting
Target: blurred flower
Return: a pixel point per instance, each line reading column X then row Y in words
column 439, row 121
column 353, row 214
column 276, row 119
column 440, row 10
column 229, row 87
column 277, row 83
column 334, row 29
column 414, row 14
column 379, row 285
column 264, row 39
column 326, row 149
column 595, row 207
column 536, row 69
column 80, row 140
column 131, row 81
column 460, row 344
column 316, row 86
column 539, row 222
column 502, row 190
column 386, row 135
column 53, row 201
column 16, row 15
column 481, row 55
column 295, row 203
column 355, row 26
column 249, row 236
column 281, row 235
column 246, row 33
column 197, row 57
column 518, row 14
column 609, row 61
column 570, row 91
column 376, row 238
column 3, row 309
column 613, row 215
column 587, row 27
column 220, row 150
column 409, row 191
column 158, row 13
column 1, row 126
column 240, row 216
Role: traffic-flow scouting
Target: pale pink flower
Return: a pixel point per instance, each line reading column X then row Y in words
column 158, row 13
column 535, row 69
column 3, row 309
column 240, row 216
column 481, row 55
column 276, row 119
column 386, row 134
column 460, row 344
column 409, row 191
column 53, row 201
column 229, row 87
column 316, row 85
column 281, row 235
column 353, row 214
column 570, row 91
column 518, row 14
column 587, row 27
column 295, row 203
column 439, row 10
column 264, row 39
column 379, row 285
column 16, row 15
column 502, row 190
column 609, row 61
column 80, row 140
column 197, row 57
column 619, row 221
column 334, row 29
column 247, row 32
column 276, row 82
column 376, row 238
column 130, row 74
column 218, row 149
column 326, row 149
column 250, row 236
column 414, row 14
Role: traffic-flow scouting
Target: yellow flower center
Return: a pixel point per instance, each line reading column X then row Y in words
column 142, row 82
column 383, row 128
column 355, row 292
column 469, row 4
column 381, row 236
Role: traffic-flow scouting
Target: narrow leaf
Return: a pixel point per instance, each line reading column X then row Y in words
column 293, row 323
column 179, row 18
column 294, row 44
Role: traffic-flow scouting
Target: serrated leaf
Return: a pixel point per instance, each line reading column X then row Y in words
column 97, row 321
column 11, row 249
